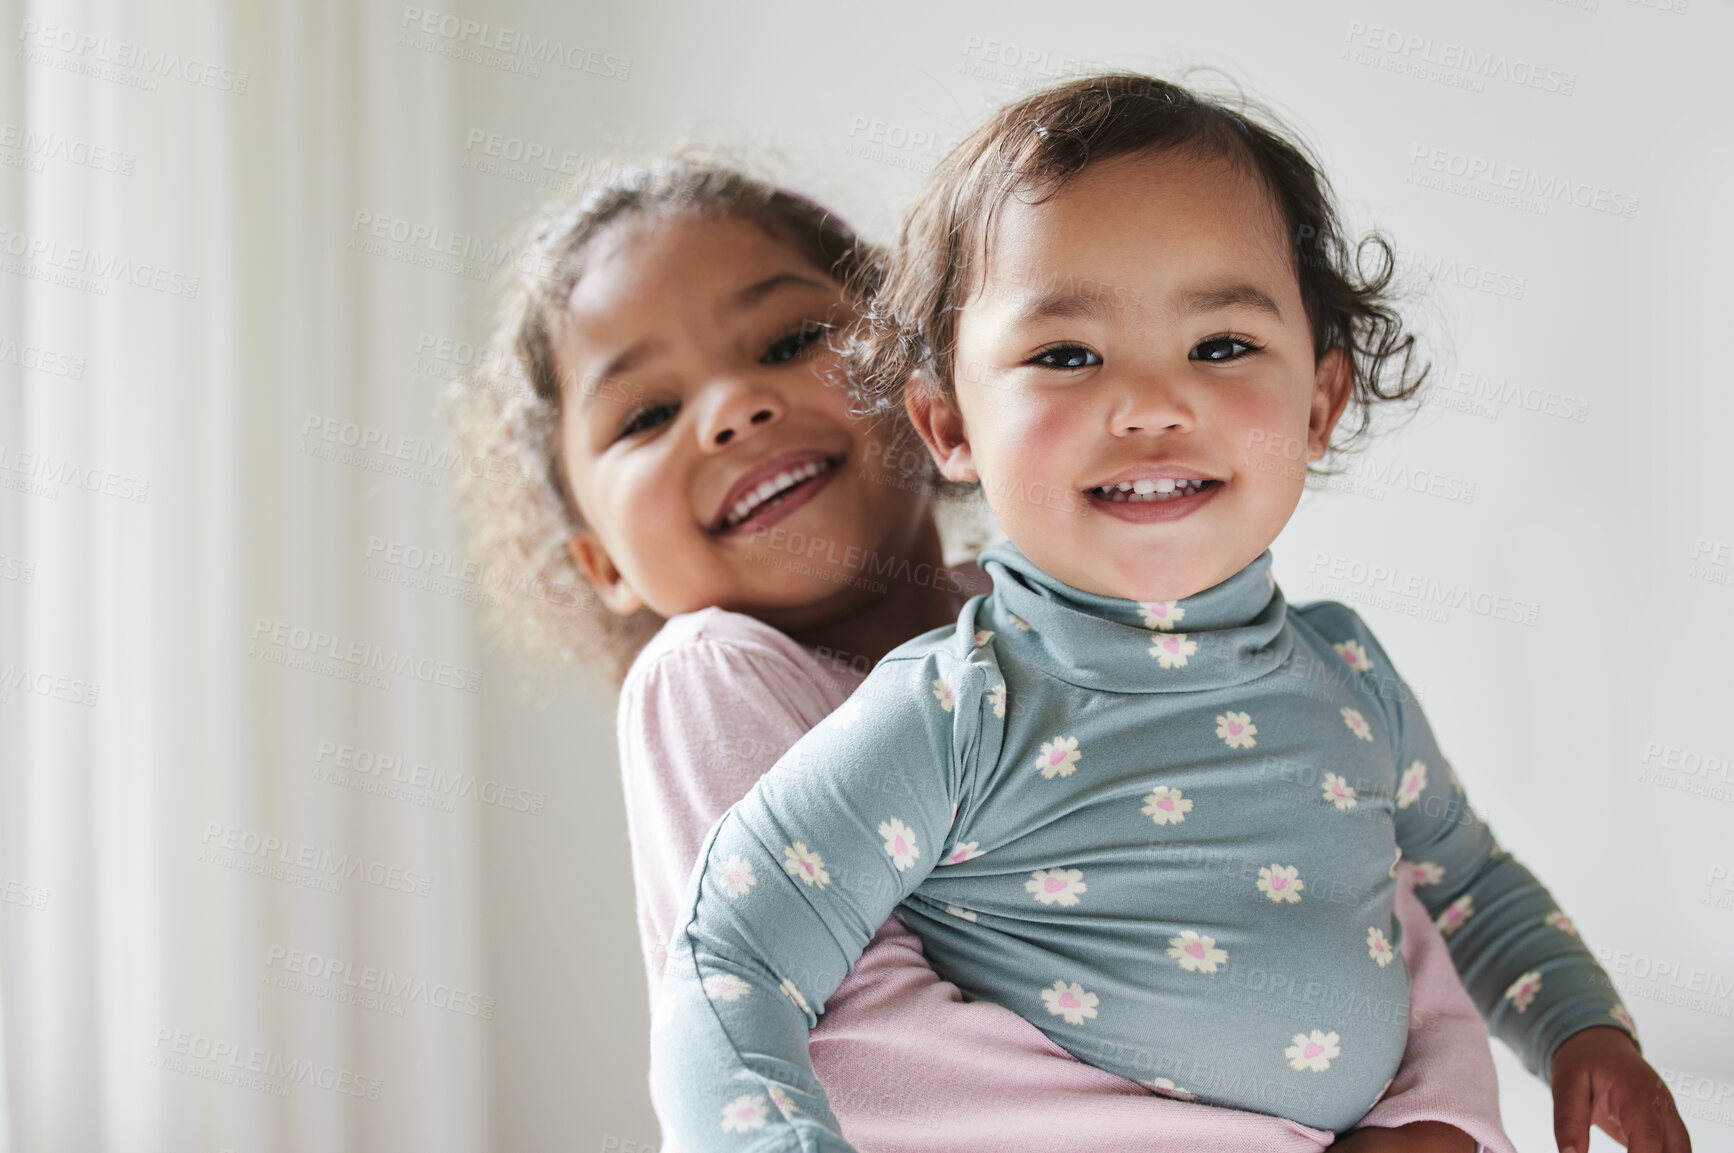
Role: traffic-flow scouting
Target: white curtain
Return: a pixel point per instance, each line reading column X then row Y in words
column 229, row 920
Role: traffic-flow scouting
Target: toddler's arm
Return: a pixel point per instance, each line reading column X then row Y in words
column 1534, row 981
column 789, row 886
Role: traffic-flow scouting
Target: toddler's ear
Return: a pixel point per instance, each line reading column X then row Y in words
column 593, row 561
column 940, row 426
column 1333, row 380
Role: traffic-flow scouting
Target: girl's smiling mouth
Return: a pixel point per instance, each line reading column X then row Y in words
column 772, row 490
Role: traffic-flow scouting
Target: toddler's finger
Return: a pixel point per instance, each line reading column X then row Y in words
column 1571, row 1115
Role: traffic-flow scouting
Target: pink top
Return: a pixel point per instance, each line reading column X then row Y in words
column 908, row 1065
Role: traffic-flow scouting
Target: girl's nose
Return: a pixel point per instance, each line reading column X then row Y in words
column 1149, row 404
column 737, row 411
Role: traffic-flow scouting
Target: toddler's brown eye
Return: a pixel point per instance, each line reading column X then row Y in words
column 648, row 417
column 1066, row 356
column 1222, row 348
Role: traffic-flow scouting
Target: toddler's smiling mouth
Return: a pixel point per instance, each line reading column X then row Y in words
column 774, row 488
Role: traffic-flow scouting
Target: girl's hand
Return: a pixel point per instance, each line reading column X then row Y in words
column 1415, row 1137
column 1599, row 1077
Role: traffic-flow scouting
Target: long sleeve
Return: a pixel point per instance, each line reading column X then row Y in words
column 788, row 888
column 1519, row 955
column 710, row 707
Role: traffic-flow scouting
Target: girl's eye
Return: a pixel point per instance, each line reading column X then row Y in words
column 648, row 417
column 793, row 344
column 1223, row 348
column 1065, row 356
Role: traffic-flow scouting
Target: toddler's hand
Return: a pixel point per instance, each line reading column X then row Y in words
column 1415, row 1137
column 1600, row 1078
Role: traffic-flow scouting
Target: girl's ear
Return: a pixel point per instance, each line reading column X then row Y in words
column 940, row 425
column 593, row 561
column 1332, row 381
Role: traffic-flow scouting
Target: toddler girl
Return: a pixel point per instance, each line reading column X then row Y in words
column 1130, row 794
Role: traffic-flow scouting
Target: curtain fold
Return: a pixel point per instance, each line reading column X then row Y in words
column 240, row 861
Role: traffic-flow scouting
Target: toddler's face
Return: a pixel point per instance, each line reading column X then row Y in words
column 705, row 432
column 1141, row 329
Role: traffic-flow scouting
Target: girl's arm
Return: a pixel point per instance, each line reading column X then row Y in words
column 1519, row 955
column 787, row 890
column 715, row 702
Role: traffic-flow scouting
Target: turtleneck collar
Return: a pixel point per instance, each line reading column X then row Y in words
column 1227, row 634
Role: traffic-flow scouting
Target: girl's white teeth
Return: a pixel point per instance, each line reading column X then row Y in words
column 779, row 483
column 1150, row 489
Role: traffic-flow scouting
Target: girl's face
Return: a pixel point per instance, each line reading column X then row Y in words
column 1141, row 330
column 706, row 433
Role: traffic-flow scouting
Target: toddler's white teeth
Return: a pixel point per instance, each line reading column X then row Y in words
column 780, row 483
column 1150, row 489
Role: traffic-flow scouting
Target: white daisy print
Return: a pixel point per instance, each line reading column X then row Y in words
column 748, row 1111
column 1378, row 948
column 847, row 714
column 1523, row 990
column 1281, row 883
column 960, row 912
column 1196, row 954
column 737, row 875
column 1354, row 655
column 1172, row 650
column 1621, row 1014
column 944, row 693
column 1426, row 872
column 1166, row 806
column 1026, row 626
column 1160, row 614
column 1339, row 792
column 1237, row 730
column 794, row 994
column 982, row 636
column 726, row 987
column 968, row 851
column 1561, row 922
column 1059, row 758
column 1056, row 886
column 1414, row 782
column 1455, row 914
column 996, row 698
column 899, row 842
column 1357, row 724
column 800, row 861
column 785, row 1104
column 1312, row 1051
column 1167, row 1088
column 1067, row 999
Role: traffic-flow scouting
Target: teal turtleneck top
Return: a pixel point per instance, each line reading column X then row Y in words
column 1165, row 833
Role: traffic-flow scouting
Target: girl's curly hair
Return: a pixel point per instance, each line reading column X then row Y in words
column 507, row 413
column 1032, row 148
